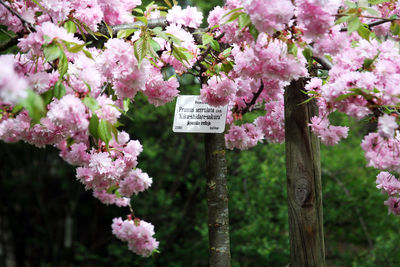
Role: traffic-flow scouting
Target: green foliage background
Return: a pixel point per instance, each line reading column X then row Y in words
column 39, row 194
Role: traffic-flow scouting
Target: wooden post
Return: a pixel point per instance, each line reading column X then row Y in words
column 303, row 173
column 217, row 201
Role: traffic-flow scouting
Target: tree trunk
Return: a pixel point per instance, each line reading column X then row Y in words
column 217, row 201
column 303, row 173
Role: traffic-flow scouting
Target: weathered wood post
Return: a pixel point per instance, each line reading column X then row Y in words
column 303, row 173
column 217, row 201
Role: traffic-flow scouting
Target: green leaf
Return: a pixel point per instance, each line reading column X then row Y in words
column 154, row 44
column 47, row 96
column 76, row 48
column 91, row 103
column 307, row 100
column 227, row 52
column 310, row 92
column 343, row 19
column 350, row 4
column 94, row 126
column 88, row 54
column 46, row 39
column 215, row 45
column 372, row 11
column 17, row 108
column 292, row 49
column 344, row 96
column 138, row 10
column 307, row 53
column 395, row 28
column 127, row 102
column 142, row 19
column 353, row 25
column 244, row 21
column 168, row 3
column 253, row 31
column 59, row 90
column 117, row 194
column 376, row 2
column 141, row 47
column 232, row 11
column 115, row 132
column 227, row 67
column 149, row 5
column 70, row 141
column 233, row 17
column 364, row 32
column 34, row 104
column 93, row 34
column 105, row 131
column 109, row 30
column 112, row 189
column 206, row 38
column 39, row 5
column 125, row 33
column 214, row 27
column 52, row 52
column 82, row 32
column 367, row 64
column 63, row 65
column 70, row 26
column 181, row 54
column 168, row 37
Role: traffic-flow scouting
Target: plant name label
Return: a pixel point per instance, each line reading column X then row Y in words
column 194, row 116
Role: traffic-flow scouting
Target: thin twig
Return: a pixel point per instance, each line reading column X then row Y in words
column 253, row 100
column 325, row 63
column 372, row 24
column 205, row 53
column 152, row 23
column 24, row 22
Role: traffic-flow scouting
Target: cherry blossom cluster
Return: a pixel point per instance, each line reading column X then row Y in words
column 390, row 185
column 138, row 234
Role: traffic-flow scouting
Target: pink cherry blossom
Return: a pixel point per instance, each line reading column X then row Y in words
column 269, row 15
column 160, row 91
column 138, row 234
column 13, row 85
column 189, row 17
column 218, row 91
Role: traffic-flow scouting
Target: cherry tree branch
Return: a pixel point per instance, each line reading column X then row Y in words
column 325, row 63
column 27, row 25
column 208, row 50
column 253, row 100
column 151, row 23
column 372, row 24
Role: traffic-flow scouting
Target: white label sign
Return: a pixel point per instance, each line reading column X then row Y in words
column 194, row 116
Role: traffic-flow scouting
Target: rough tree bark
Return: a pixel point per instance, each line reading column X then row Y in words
column 303, row 173
column 217, row 201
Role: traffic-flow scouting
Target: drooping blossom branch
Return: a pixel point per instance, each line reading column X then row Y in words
column 28, row 26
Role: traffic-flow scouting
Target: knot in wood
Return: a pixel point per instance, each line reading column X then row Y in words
column 302, row 191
